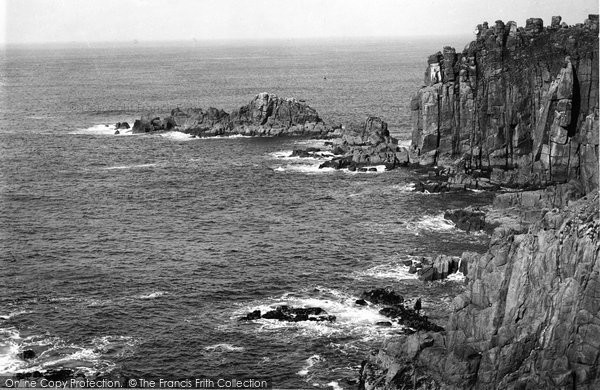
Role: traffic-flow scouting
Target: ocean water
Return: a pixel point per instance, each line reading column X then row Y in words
column 135, row 255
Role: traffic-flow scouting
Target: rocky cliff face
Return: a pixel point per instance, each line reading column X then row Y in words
column 522, row 105
column 529, row 318
column 521, row 100
column 265, row 115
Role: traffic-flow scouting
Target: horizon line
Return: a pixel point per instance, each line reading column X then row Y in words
column 135, row 41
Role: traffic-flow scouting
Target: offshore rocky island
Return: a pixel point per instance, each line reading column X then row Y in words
column 515, row 112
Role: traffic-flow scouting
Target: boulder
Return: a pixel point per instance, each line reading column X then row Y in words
column 28, row 354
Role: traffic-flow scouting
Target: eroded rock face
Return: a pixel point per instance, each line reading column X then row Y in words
column 529, row 318
column 522, row 100
column 265, row 115
column 523, row 111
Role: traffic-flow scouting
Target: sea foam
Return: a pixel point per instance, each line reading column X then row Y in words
column 102, row 129
column 351, row 319
column 309, row 363
column 223, row 347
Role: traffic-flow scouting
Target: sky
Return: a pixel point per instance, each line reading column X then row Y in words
column 57, row 21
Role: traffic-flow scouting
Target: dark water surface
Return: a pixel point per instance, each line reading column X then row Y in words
column 136, row 255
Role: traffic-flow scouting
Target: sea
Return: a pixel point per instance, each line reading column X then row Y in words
column 134, row 256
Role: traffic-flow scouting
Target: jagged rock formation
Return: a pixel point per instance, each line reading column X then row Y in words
column 442, row 266
column 265, row 115
column 530, row 317
column 369, row 145
column 519, row 102
column 519, row 105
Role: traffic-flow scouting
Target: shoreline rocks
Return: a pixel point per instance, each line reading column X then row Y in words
column 398, row 312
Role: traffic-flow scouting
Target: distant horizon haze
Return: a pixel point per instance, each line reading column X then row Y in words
column 94, row 21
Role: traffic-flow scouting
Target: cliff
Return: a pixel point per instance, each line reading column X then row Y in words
column 518, row 107
column 529, row 318
column 519, row 103
column 265, row 115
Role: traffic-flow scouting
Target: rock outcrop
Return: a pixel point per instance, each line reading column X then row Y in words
column 521, row 103
column 370, row 144
column 265, row 115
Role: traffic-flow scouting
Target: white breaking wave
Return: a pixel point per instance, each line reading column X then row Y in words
column 178, row 136
column 456, row 277
column 409, row 187
column 431, row 223
column 13, row 314
column 304, row 168
column 396, row 271
column 308, row 364
column 335, row 385
column 380, row 169
column 90, row 359
column 351, row 318
column 230, row 136
column 153, row 295
column 317, row 143
column 9, row 351
column 102, row 129
column 181, row 136
column 223, row 347
column 287, row 155
column 130, row 166
column 282, row 154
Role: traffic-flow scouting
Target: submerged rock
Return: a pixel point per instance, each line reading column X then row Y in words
column 59, row 374
column 410, row 318
column 291, row 314
column 28, row 354
column 255, row 315
column 383, row 296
